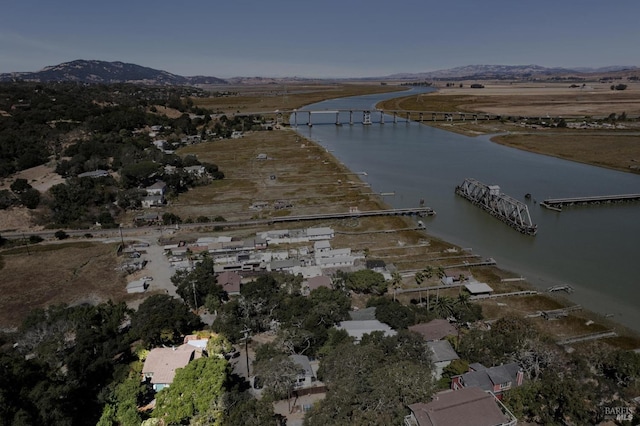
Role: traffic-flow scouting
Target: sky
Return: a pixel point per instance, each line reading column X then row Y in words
column 322, row 39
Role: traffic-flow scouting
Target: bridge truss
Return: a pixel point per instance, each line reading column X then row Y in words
column 503, row 207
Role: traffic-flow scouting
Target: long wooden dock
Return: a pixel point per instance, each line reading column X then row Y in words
column 558, row 203
column 418, row 211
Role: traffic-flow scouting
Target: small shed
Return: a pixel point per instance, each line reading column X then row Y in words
column 476, row 288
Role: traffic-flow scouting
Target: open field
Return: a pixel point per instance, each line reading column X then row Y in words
column 617, row 148
column 72, row 273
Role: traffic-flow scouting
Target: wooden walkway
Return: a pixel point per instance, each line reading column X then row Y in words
column 586, row 337
column 558, row 203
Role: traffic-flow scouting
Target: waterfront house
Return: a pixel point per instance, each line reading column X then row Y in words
column 496, row 379
column 357, row 329
column 442, row 353
column 436, row 329
column 467, row 407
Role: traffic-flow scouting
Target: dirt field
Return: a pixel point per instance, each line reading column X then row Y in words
column 72, row 273
column 41, row 178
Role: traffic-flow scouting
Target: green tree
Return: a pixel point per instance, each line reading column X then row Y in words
column 61, row 235
column 162, row 319
column 30, row 198
column 20, row 185
column 195, row 390
column 366, row 281
column 196, row 285
column 278, row 374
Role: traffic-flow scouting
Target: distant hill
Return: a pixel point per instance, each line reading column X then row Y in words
column 498, row 72
column 91, row 71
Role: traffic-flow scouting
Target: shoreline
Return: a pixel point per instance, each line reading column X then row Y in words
column 537, row 282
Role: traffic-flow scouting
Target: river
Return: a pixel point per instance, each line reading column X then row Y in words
column 594, row 248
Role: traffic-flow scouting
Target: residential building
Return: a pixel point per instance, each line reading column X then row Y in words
column 496, row 379
column 94, row 174
column 357, row 329
column 306, row 376
column 161, row 364
column 466, row 407
column 230, row 282
column 317, row 282
column 158, row 188
column 442, row 355
column 436, row 329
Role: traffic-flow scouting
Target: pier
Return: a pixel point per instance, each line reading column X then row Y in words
column 558, row 203
column 503, row 207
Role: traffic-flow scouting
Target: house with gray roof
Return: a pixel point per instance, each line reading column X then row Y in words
column 442, row 353
column 357, row 329
column 496, row 379
column 306, row 376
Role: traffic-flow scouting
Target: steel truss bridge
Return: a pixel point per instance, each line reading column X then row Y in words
column 503, row 207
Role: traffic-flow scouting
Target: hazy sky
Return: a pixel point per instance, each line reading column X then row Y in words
column 346, row 38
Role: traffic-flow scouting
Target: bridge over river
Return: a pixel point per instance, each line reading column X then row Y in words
column 369, row 116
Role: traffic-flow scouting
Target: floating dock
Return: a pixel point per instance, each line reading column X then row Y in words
column 503, row 207
column 558, row 203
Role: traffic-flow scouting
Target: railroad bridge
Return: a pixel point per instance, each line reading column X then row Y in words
column 503, row 207
column 371, row 116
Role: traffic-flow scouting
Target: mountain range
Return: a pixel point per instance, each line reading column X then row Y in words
column 94, row 71
column 91, row 71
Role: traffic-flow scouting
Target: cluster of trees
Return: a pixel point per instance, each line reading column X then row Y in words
column 21, row 193
column 373, row 382
column 273, row 302
column 70, row 361
column 559, row 387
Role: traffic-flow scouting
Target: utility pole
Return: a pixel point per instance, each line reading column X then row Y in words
column 121, row 237
column 27, row 244
column 195, row 299
column 246, row 347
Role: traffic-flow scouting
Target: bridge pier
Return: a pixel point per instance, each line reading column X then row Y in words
column 279, row 118
column 309, row 122
column 337, row 118
column 381, row 117
column 395, row 117
column 295, row 118
column 351, row 118
column 421, row 117
column 408, row 117
column 366, row 117
column 463, row 116
column 434, row 116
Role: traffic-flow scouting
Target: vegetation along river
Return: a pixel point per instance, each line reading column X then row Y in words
column 592, row 248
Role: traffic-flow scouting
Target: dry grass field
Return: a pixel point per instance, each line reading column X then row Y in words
column 72, row 273
column 274, row 97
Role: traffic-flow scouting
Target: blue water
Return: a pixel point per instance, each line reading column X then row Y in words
column 594, row 249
